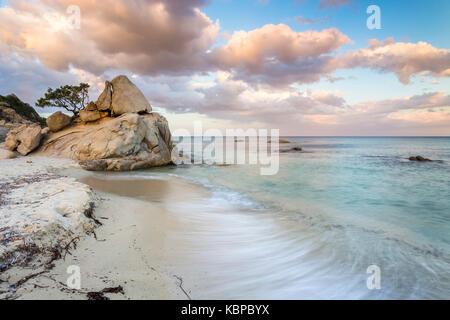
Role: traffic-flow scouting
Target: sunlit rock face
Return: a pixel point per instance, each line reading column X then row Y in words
column 136, row 139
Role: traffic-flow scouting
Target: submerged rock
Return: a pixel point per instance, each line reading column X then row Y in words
column 24, row 139
column 127, row 98
column 281, row 141
column 58, row 121
column 419, row 159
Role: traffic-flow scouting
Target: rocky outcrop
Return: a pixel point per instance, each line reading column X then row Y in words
column 13, row 114
column 127, row 98
column 24, row 139
column 117, row 133
column 420, row 159
column 129, row 142
column 91, row 113
column 104, row 101
column 22, row 111
column 58, row 121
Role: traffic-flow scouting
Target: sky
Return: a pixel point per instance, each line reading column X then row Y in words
column 305, row 67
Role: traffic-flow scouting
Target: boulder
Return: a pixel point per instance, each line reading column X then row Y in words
column 24, row 139
column 6, row 154
column 91, row 113
column 45, row 131
column 297, row 149
column 420, row 159
column 105, row 99
column 281, row 141
column 127, row 98
column 58, row 121
column 9, row 118
column 128, row 142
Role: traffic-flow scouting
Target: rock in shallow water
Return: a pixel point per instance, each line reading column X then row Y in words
column 420, row 159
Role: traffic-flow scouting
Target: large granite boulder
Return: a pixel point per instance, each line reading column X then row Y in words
column 128, row 142
column 58, row 121
column 104, row 101
column 127, row 98
column 24, row 139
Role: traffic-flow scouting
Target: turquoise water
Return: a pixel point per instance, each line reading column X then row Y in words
column 345, row 204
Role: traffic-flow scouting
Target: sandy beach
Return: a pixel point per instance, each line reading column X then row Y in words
column 127, row 250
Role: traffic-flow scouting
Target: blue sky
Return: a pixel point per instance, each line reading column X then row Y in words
column 404, row 20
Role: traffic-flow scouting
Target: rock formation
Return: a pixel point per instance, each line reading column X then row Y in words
column 420, row 159
column 127, row 98
column 129, row 142
column 134, row 140
column 91, row 113
column 19, row 127
column 104, row 101
column 58, row 121
column 117, row 133
column 12, row 110
column 24, row 139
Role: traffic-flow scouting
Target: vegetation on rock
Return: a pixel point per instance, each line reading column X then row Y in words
column 21, row 108
column 71, row 98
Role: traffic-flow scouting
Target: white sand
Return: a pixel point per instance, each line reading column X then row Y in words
column 39, row 206
column 128, row 250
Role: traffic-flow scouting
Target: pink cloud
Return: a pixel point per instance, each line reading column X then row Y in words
column 147, row 36
column 403, row 59
column 276, row 54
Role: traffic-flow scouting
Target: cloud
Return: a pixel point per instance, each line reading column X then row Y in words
column 227, row 98
column 154, row 37
column 29, row 79
column 146, row 36
column 333, row 3
column 403, row 59
column 417, row 102
column 277, row 55
column 305, row 21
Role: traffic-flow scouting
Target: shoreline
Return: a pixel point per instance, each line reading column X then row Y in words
column 126, row 251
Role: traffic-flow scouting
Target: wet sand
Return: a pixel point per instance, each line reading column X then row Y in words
column 163, row 238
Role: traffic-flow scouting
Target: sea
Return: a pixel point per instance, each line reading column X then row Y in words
column 345, row 218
